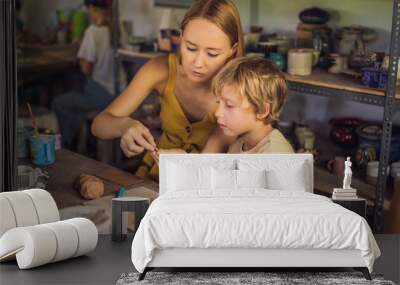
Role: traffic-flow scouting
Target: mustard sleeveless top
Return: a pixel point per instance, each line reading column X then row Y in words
column 178, row 131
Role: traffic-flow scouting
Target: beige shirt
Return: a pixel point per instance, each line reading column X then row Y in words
column 274, row 142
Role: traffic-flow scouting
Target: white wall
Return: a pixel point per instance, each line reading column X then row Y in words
column 146, row 18
column 39, row 14
column 273, row 15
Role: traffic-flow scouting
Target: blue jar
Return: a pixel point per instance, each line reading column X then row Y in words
column 279, row 60
column 42, row 149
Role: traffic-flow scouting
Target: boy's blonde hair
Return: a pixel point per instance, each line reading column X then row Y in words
column 256, row 79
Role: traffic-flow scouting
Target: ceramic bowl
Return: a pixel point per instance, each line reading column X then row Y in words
column 315, row 16
column 343, row 131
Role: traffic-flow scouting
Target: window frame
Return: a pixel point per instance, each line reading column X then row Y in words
column 8, row 97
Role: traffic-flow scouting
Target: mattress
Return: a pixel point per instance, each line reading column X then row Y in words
column 251, row 219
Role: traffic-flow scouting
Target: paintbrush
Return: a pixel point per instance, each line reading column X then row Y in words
column 33, row 120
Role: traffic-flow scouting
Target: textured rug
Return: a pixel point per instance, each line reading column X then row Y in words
column 242, row 278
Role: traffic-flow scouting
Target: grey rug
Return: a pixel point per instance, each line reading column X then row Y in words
column 231, row 278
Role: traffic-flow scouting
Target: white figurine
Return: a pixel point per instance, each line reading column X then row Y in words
column 347, row 174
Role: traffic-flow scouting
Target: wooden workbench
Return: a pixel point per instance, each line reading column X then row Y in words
column 69, row 166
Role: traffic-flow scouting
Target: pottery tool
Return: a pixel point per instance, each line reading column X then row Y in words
column 155, row 155
column 33, row 120
column 121, row 192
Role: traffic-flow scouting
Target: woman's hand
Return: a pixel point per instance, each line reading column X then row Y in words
column 137, row 138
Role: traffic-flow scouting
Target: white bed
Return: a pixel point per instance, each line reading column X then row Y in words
column 247, row 211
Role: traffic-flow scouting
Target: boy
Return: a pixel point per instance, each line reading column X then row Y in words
column 251, row 92
column 96, row 62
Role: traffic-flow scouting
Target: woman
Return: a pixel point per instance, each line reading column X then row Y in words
column 95, row 59
column 211, row 35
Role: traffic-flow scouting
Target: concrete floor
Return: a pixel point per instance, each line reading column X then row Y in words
column 110, row 260
column 102, row 266
column 389, row 262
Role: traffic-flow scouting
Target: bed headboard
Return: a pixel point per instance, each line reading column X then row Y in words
column 285, row 163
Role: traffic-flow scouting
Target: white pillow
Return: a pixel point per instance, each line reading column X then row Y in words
column 222, row 164
column 251, row 178
column 295, row 181
column 188, row 177
column 285, row 174
column 223, row 179
column 227, row 179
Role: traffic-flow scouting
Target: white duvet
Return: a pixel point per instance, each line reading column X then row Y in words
column 253, row 218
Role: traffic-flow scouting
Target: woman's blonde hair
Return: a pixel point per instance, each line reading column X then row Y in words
column 256, row 79
column 222, row 13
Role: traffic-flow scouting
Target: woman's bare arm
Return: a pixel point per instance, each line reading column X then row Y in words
column 115, row 120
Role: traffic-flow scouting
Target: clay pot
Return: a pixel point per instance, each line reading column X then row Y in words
column 343, row 131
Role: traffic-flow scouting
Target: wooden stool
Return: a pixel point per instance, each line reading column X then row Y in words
column 138, row 205
column 104, row 148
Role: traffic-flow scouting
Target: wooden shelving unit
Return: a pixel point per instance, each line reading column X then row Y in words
column 131, row 55
column 343, row 82
column 318, row 79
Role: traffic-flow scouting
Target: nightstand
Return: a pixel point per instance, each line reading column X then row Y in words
column 358, row 205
